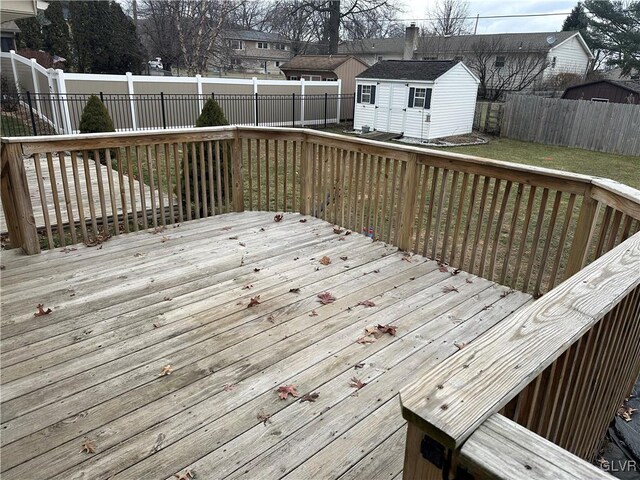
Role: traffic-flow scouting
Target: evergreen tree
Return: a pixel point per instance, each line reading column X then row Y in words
column 30, row 35
column 577, row 19
column 57, row 39
column 95, row 117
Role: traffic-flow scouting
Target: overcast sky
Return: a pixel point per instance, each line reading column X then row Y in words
column 417, row 9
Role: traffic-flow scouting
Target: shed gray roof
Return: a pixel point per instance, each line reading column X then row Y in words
column 254, row 35
column 408, row 69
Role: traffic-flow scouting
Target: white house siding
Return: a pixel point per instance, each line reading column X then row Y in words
column 364, row 114
column 453, row 103
column 571, row 57
column 398, row 104
column 416, row 124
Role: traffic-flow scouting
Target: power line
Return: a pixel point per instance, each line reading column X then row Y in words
column 483, row 17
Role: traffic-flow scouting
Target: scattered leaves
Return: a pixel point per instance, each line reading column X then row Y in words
column 254, row 301
column 271, row 319
column 67, row 250
column 262, row 229
column 506, row 293
column 449, row 289
column 358, row 365
column 443, row 268
column 41, row 311
column 264, row 417
column 456, row 271
column 310, row 397
column 365, row 340
column 460, row 345
column 88, row 446
column 625, row 412
column 98, row 240
column 325, row 260
column 337, row 230
column 313, row 313
column 367, row 303
column 356, row 383
column 294, row 290
column 371, row 334
column 186, row 475
column 247, row 286
column 303, row 220
column 278, row 217
column 326, row 298
column 166, row 370
column 285, row 390
column 390, row 329
column 159, row 229
column 229, row 387
column 348, row 232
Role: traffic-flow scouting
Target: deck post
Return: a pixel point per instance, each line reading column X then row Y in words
column 238, row 181
column 582, row 236
column 16, row 201
column 416, row 464
column 306, row 177
column 408, row 214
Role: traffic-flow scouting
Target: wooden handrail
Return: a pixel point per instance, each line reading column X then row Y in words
column 501, row 449
column 451, row 401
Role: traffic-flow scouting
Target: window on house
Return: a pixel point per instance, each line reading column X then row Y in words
column 293, row 77
column 420, row 98
column 237, row 44
column 379, row 58
column 553, row 62
column 280, row 46
column 312, row 78
column 277, row 64
column 263, row 45
column 500, row 61
column 366, row 94
column 430, row 58
column 329, row 79
column 596, row 99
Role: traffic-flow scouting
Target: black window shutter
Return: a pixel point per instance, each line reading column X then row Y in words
column 359, row 94
column 412, row 93
column 373, row 94
column 427, row 99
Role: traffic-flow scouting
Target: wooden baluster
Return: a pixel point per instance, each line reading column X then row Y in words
column 397, row 214
column 250, row 168
column 141, row 189
column 487, row 234
column 170, row 190
column 195, row 184
column 203, row 180
column 467, row 227
column 604, row 230
column 187, row 181
column 306, row 178
column 536, row 239
column 285, row 154
column 547, row 244
column 132, row 189
column 210, row 179
column 238, row 179
column 561, row 242
column 88, row 183
column 363, row 188
column 77, row 184
column 432, row 196
column 294, row 180
column 376, row 204
column 447, row 224
column 56, row 199
column 267, row 174
column 523, row 236
column 456, row 230
column 178, row 177
column 258, row 168
column 349, row 222
column 346, row 166
column 163, row 219
column 392, row 202
column 122, row 190
column 356, row 201
column 408, row 212
column 512, row 232
column 219, row 177
column 101, row 196
column 276, row 175
column 582, row 235
column 226, row 161
column 112, row 192
column 437, row 224
column 422, row 203
column 613, row 230
column 67, row 197
column 479, row 224
column 370, row 196
column 323, row 195
column 336, row 183
column 498, row 230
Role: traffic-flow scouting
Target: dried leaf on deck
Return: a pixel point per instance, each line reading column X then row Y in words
column 506, row 293
column 367, row 303
column 313, row 313
column 443, row 268
column 625, row 412
column 41, row 311
column 166, row 370
column 235, row 237
column 356, row 383
column 98, row 240
column 159, row 229
column 468, row 280
column 278, row 217
column 67, row 250
column 456, row 271
column 344, row 258
column 449, row 289
column 303, row 220
column 139, row 254
column 365, row 340
column 294, row 290
column 242, row 244
column 326, row 298
column 325, row 260
column 256, row 269
column 247, row 286
column 271, row 319
column 460, row 345
column 226, row 228
column 164, row 239
column 341, row 239
column 88, row 446
column 390, row 329
column 285, row 390
column 167, row 299
column 156, row 325
column 310, row 397
column 254, row 301
column 229, row 387
column 337, row 230
column 186, row 475
column 348, row 232
column 264, row 417
column 358, row 365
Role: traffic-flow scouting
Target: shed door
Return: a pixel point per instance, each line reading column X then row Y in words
column 390, row 111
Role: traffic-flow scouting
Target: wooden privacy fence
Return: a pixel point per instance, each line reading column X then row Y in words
column 487, row 117
column 604, row 127
column 558, row 368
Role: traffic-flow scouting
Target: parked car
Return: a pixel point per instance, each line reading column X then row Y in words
column 156, row 63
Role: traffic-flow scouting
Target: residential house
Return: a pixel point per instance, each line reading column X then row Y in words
column 325, row 68
column 8, row 31
column 608, row 91
column 425, row 99
column 257, row 52
column 17, row 9
column 373, row 50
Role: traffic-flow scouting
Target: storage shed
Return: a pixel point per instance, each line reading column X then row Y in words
column 613, row 91
column 425, row 99
column 325, row 68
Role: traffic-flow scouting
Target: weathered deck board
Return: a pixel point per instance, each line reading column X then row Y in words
column 73, row 188
column 91, row 368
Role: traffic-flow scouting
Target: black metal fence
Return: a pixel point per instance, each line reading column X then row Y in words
column 48, row 114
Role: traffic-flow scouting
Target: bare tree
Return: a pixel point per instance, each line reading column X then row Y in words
column 295, row 21
column 449, row 17
column 158, row 31
column 249, row 15
column 501, row 70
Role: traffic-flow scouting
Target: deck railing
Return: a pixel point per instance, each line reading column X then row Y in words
column 526, row 227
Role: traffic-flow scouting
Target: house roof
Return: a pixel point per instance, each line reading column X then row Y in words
column 408, row 69
column 317, row 62
column 503, row 42
column 10, row 27
column 373, row 46
column 254, row 35
column 630, row 85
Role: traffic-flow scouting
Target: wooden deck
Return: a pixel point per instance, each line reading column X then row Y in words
column 80, row 190
column 139, row 302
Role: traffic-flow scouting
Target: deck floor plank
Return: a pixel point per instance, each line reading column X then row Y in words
column 61, row 386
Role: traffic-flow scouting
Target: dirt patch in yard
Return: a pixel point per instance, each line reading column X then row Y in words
column 452, row 141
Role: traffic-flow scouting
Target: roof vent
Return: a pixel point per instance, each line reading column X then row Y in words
column 551, row 39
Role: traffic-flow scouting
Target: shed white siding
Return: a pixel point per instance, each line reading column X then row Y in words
column 570, row 57
column 453, row 103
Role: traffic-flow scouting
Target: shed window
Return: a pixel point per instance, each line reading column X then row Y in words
column 553, row 62
column 367, row 94
column 500, row 61
column 420, row 98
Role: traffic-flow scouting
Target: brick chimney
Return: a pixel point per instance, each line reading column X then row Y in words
column 410, row 41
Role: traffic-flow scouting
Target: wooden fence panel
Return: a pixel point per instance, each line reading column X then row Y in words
column 603, row 127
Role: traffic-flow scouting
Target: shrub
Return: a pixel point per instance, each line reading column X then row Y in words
column 211, row 116
column 95, row 117
column 9, row 95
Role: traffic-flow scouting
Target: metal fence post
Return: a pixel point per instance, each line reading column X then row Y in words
column 256, row 108
column 325, row 109
column 33, row 118
column 164, row 115
column 101, row 97
column 293, row 109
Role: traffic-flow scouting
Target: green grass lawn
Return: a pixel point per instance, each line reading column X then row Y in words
column 13, row 127
column 624, row 169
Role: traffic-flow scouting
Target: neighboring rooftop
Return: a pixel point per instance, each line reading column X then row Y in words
column 254, row 35
column 373, row 45
column 631, row 85
column 507, row 42
column 408, row 69
column 316, row 62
